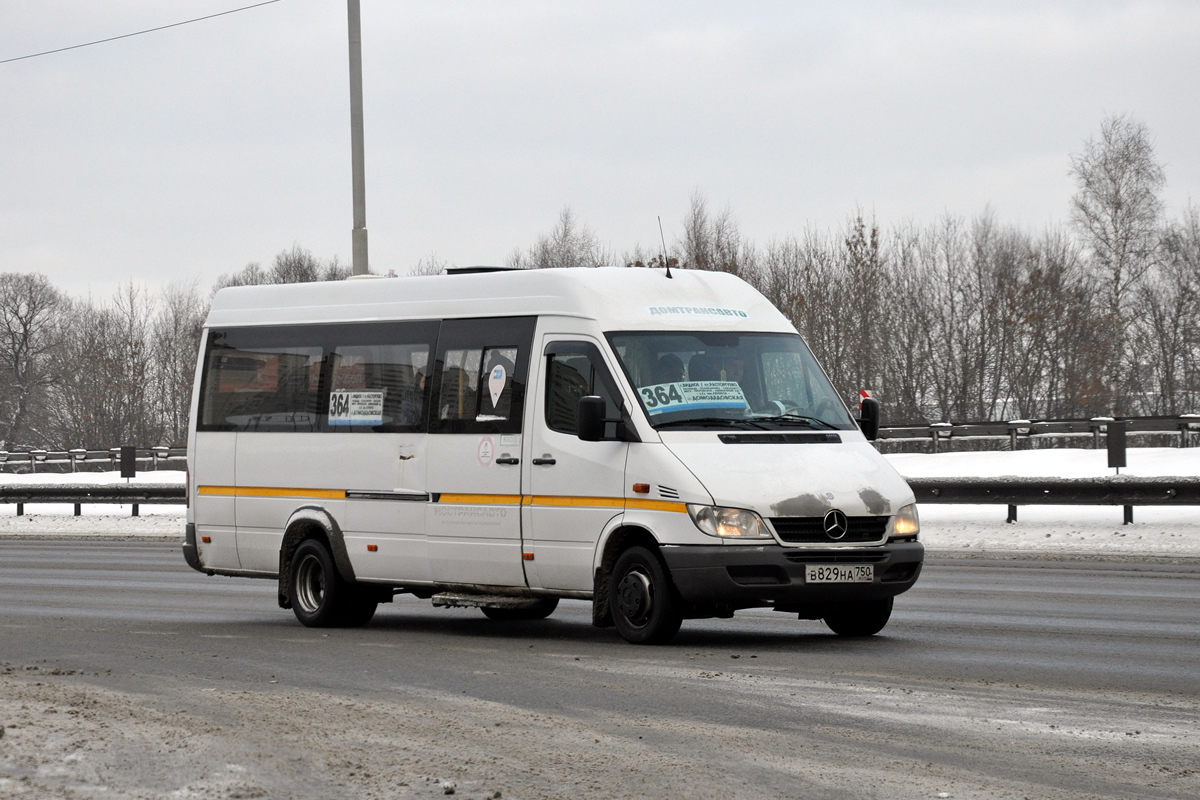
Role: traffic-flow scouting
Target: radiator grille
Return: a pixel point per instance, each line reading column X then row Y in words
column 811, row 530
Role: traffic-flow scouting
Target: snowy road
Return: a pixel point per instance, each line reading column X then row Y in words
column 126, row 674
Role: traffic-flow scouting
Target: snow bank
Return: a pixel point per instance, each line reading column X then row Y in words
column 1052, row 531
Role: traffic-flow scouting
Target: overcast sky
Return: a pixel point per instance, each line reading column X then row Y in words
column 187, row 153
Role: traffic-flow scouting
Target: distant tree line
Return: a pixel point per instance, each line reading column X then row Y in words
column 956, row 320
column 971, row 319
column 95, row 374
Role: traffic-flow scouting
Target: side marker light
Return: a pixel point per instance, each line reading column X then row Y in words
column 206, row 539
column 371, row 548
column 641, row 488
column 527, row 556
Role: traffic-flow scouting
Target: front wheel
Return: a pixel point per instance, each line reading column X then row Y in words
column 320, row 597
column 860, row 619
column 537, row 609
column 642, row 599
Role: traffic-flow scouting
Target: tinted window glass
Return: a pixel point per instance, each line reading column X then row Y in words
column 347, row 378
column 481, row 369
column 570, row 376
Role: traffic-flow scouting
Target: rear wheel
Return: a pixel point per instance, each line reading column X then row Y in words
column 320, row 597
column 860, row 619
column 537, row 609
column 642, row 600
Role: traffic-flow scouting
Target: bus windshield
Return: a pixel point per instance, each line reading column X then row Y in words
column 699, row 379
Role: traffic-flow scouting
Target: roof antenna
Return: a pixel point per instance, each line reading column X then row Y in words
column 666, row 263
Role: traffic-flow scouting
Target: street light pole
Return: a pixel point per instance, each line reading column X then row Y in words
column 359, row 234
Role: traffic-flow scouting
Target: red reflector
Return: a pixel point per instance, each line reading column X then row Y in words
column 372, row 548
column 641, row 488
column 527, row 556
column 206, row 539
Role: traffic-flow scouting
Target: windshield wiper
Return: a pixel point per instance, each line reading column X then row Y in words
column 720, row 422
column 800, row 419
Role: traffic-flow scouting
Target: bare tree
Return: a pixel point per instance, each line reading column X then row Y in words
column 297, row 265
column 176, row 330
column 30, row 338
column 569, row 244
column 1117, row 210
column 430, row 265
column 1166, row 329
column 713, row 243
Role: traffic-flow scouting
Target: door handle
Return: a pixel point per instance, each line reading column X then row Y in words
column 508, row 460
column 546, row 460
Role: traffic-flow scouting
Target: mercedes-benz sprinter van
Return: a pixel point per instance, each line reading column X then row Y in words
column 664, row 446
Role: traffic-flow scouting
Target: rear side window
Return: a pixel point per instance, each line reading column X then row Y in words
column 481, row 372
column 370, row 377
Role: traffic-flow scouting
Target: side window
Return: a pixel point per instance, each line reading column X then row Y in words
column 481, row 370
column 378, row 386
column 575, row 370
column 256, row 382
column 362, row 378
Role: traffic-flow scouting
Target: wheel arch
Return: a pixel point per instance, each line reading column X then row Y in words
column 616, row 541
column 311, row 522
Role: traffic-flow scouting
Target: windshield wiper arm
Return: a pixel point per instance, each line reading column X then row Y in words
column 801, row 419
column 723, row 422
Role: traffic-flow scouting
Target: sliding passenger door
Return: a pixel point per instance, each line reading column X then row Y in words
column 474, row 450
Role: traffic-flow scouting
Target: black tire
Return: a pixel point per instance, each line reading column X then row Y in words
column 320, row 597
column 860, row 619
column 642, row 600
column 537, row 609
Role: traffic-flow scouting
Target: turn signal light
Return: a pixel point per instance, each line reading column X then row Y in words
column 641, row 488
column 371, row 548
column 206, row 539
column 527, row 556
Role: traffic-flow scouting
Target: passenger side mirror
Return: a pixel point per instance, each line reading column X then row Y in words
column 591, row 418
column 869, row 422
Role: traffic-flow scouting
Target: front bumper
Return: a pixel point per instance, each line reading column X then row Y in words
column 714, row 579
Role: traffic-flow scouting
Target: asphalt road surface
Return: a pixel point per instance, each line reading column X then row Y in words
column 125, row 674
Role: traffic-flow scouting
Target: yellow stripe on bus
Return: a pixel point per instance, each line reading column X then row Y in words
column 481, row 499
column 655, row 505
column 271, row 491
column 569, row 502
column 553, row 501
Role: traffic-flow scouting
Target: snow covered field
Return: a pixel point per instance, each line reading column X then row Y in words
column 1052, row 531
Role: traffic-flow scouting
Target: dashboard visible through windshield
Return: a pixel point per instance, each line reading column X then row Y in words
column 703, row 379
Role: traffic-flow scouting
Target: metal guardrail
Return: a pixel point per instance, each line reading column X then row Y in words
column 1115, row 490
column 1186, row 427
column 155, row 457
column 124, row 494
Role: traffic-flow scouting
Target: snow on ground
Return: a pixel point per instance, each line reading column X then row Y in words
column 1144, row 462
column 1052, row 531
column 1160, row 531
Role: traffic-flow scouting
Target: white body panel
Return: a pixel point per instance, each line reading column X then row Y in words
column 474, row 540
column 212, row 464
column 793, row 480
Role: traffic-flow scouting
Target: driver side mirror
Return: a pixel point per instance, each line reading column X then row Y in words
column 590, row 427
column 869, row 421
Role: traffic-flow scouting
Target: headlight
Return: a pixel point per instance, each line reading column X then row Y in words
column 906, row 522
column 728, row 523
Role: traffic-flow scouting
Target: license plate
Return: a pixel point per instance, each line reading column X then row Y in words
column 839, row 573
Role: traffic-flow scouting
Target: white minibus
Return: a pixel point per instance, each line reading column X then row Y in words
column 662, row 445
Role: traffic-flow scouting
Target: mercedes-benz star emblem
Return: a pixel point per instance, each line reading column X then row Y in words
column 836, row 525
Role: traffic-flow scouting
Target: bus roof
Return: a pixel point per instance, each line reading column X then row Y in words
column 619, row 298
